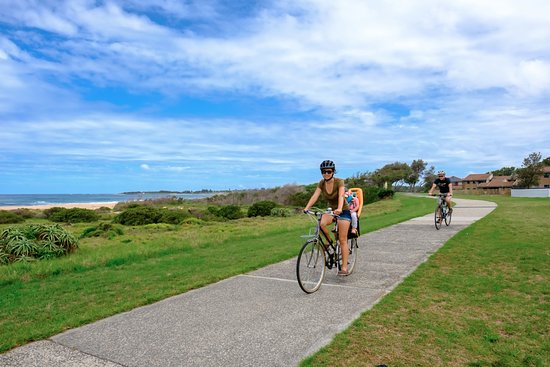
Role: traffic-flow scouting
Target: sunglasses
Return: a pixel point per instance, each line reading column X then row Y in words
column 327, row 171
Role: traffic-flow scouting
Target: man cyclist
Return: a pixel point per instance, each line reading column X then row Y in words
column 445, row 187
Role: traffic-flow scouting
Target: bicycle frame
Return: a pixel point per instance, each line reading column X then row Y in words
column 442, row 212
column 316, row 255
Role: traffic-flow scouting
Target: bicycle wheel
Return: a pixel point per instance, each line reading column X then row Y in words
column 310, row 267
column 438, row 216
column 448, row 217
column 352, row 257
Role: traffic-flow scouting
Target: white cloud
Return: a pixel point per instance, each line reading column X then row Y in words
column 461, row 82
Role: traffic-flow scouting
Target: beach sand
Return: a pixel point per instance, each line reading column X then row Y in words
column 110, row 205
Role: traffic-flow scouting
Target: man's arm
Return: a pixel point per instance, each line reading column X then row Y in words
column 431, row 190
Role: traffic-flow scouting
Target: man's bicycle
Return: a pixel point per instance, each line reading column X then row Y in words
column 317, row 254
column 442, row 212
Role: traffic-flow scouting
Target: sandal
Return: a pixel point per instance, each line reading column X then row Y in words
column 343, row 273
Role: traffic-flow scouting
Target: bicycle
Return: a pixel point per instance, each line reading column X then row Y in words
column 317, row 254
column 442, row 212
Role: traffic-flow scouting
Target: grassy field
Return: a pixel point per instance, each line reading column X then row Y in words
column 482, row 300
column 149, row 263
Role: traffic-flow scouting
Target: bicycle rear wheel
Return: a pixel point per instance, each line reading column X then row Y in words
column 352, row 257
column 310, row 267
column 438, row 217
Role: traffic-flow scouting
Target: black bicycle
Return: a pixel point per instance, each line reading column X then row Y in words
column 442, row 212
column 317, row 254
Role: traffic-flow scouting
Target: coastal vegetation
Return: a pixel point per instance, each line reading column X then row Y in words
column 119, row 267
column 35, row 242
column 481, row 300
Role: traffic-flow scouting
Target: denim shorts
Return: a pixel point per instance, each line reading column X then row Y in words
column 345, row 215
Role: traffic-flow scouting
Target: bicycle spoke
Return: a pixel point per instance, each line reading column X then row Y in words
column 310, row 267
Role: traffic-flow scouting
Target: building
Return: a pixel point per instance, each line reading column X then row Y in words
column 498, row 185
column 473, row 180
column 544, row 181
column 487, row 183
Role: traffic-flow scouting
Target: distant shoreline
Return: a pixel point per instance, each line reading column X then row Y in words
column 92, row 206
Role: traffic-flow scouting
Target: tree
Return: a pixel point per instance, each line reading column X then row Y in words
column 546, row 161
column 429, row 178
column 359, row 180
column 504, row 171
column 391, row 173
column 531, row 171
column 417, row 168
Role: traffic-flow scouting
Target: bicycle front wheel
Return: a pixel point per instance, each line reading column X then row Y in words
column 310, row 267
column 352, row 257
column 438, row 218
column 448, row 217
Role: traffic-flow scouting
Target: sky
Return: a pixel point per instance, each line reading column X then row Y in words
column 143, row 95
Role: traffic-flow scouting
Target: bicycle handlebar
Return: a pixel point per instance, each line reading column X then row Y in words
column 320, row 213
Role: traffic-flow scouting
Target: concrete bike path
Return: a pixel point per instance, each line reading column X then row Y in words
column 260, row 318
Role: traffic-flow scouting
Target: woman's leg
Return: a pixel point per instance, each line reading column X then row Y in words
column 343, row 227
column 325, row 221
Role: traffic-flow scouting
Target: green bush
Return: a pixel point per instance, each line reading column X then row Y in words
column 173, row 216
column 138, row 215
column 386, row 194
column 72, row 215
column 35, row 241
column 8, row 217
column 261, row 208
column 281, row 212
column 230, row 212
column 103, row 230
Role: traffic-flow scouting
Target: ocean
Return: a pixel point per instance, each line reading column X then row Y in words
column 52, row 199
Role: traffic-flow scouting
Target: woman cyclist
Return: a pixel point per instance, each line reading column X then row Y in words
column 333, row 190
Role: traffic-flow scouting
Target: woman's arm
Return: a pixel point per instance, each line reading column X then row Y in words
column 341, row 192
column 313, row 199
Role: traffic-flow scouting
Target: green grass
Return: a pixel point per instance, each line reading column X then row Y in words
column 482, row 300
column 146, row 264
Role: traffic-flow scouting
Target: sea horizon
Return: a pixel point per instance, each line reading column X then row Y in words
column 53, row 199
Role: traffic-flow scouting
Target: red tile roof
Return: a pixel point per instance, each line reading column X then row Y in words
column 498, row 181
column 477, row 177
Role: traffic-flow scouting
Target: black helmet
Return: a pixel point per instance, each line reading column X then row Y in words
column 327, row 165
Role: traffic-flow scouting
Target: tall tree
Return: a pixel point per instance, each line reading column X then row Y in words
column 429, row 178
column 504, row 171
column 390, row 174
column 546, row 161
column 531, row 171
column 417, row 168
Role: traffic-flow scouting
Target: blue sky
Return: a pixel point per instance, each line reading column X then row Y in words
column 124, row 95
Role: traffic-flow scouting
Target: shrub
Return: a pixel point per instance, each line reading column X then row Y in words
column 138, row 215
column 103, row 230
column 213, row 210
column 8, row 217
column 173, row 216
column 35, row 241
column 230, row 212
column 193, row 220
column 386, row 194
column 261, row 208
column 72, row 215
column 281, row 212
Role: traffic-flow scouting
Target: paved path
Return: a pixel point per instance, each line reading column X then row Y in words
column 257, row 319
